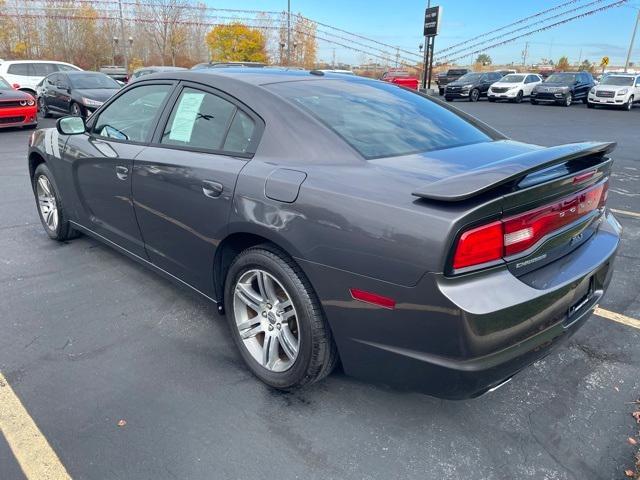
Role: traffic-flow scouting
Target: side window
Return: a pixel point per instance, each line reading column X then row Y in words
column 21, row 69
column 65, row 68
column 638, row 82
column 53, row 80
column 198, row 120
column 240, row 133
column 131, row 117
column 43, row 69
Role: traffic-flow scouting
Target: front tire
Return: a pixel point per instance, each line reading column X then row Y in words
column 629, row 105
column 519, row 97
column 50, row 208
column 474, row 95
column 42, row 108
column 591, row 105
column 76, row 110
column 534, row 102
column 568, row 100
column 276, row 320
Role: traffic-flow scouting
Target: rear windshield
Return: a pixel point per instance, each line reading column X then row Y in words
column 4, row 85
column 379, row 119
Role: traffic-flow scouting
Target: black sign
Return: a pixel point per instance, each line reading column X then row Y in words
column 431, row 21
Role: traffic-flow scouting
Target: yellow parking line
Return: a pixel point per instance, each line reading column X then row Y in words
column 31, row 449
column 625, row 212
column 617, row 317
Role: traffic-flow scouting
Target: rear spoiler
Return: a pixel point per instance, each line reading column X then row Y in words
column 479, row 180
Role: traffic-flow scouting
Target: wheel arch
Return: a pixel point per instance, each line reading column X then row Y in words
column 235, row 243
column 35, row 159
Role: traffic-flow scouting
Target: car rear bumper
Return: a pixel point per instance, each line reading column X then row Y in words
column 459, row 337
column 18, row 116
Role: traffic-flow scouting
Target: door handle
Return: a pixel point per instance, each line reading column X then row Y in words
column 211, row 189
column 122, row 172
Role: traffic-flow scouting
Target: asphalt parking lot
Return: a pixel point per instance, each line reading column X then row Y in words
column 89, row 338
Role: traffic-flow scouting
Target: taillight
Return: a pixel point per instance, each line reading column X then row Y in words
column 515, row 234
column 479, row 245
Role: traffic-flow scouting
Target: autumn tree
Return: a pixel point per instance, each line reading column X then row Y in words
column 236, row 42
column 563, row 64
column 587, row 66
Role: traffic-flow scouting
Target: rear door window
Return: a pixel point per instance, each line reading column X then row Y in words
column 43, row 69
column 240, row 133
column 379, row 119
column 199, row 120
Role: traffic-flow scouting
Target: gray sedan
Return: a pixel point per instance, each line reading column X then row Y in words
column 336, row 218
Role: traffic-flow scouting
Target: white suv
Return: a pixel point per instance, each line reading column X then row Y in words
column 622, row 90
column 26, row 74
column 513, row 87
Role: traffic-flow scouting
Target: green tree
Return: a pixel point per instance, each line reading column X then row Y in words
column 484, row 59
column 563, row 64
column 237, row 42
column 587, row 66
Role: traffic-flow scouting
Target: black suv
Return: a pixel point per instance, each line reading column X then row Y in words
column 451, row 75
column 563, row 88
column 471, row 86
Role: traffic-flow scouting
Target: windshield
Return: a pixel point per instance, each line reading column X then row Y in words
column 92, row 80
column 618, row 81
column 4, row 85
column 379, row 119
column 470, row 77
column 561, row 78
column 512, row 79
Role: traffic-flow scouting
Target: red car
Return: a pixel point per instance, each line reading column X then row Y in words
column 17, row 109
column 401, row 77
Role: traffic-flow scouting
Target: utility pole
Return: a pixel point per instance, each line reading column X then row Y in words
column 333, row 59
column 633, row 39
column 288, row 32
column 525, row 52
column 124, row 44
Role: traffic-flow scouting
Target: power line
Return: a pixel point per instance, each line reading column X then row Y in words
column 517, row 22
column 526, row 27
column 619, row 3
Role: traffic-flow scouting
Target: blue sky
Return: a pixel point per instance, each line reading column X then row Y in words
column 400, row 23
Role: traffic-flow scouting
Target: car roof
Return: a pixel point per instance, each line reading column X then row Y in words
column 39, row 61
column 254, row 76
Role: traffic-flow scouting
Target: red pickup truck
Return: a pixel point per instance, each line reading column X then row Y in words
column 400, row 77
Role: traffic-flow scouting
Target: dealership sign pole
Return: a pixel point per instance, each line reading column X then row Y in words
column 431, row 27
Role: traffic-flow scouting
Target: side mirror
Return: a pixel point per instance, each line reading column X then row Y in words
column 71, row 125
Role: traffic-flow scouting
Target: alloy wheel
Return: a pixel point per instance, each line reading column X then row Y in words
column 266, row 320
column 630, row 103
column 42, row 107
column 475, row 95
column 47, row 202
column 75, row 110
column 568, row 100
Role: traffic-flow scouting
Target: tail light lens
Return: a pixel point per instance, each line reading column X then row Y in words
column 515, row 234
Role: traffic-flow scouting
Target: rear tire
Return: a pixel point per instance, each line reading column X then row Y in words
column 50, row 209
column 441, row 91
column 315, row 354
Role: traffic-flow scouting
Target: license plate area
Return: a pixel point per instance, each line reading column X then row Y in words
column 582, row 296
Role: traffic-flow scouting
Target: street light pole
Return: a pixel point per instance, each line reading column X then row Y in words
column 633, row 39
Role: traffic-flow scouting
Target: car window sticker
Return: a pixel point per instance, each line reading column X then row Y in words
column 185, row 117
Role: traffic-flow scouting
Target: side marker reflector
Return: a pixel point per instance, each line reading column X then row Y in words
column 368, row 297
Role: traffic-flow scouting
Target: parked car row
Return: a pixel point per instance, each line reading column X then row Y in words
column 563, row 88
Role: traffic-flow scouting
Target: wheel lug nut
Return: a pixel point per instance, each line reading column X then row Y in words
column 264, row 314
column 269, row 305
column 279, row 326
column 270, row 327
